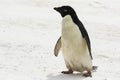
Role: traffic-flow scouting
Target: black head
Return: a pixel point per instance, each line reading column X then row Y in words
column 65, row 10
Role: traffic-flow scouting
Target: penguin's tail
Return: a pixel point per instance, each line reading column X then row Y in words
column 95, row 68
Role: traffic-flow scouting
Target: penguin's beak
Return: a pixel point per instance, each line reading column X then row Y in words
column 57, row 9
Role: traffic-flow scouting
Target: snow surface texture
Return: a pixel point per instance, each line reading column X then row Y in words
column 29, row 30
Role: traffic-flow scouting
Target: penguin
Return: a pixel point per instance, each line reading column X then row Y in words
column 74, row 43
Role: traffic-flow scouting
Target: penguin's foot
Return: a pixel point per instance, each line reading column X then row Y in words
column 67, row 72
column 88, row 74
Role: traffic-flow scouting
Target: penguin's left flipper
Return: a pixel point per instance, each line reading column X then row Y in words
column 57, row 47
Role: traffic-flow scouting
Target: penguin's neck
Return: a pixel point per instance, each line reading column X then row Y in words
column 67, row 21
column 69, row 28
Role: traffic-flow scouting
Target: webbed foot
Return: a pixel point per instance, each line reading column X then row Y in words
column 88, row 74
column 67, row 72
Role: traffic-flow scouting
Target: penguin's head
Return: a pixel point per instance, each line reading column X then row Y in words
column 65, row 10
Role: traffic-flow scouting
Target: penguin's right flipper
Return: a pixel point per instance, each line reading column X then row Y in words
column 57, row 47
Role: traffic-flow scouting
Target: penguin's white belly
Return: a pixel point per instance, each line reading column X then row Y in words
column 74, row 47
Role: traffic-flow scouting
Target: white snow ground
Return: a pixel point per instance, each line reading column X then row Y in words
column 29, row 30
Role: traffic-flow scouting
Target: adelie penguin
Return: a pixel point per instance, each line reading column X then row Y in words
column 74, row 42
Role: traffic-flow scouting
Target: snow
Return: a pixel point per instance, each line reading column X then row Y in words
column 29, row 30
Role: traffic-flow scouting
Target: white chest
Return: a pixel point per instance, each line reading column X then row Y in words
column 70, row 30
